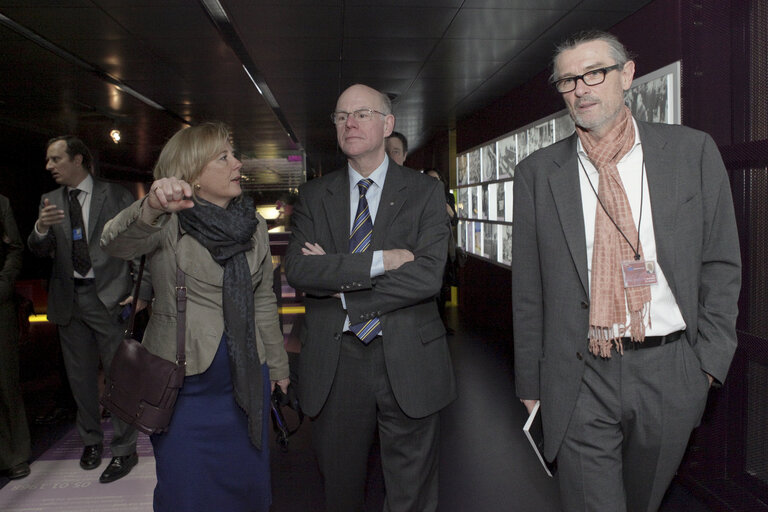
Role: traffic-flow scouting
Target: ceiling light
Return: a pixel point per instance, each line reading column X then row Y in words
column 115, row 135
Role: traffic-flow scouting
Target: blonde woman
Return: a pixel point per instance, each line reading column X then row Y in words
column 215, row 454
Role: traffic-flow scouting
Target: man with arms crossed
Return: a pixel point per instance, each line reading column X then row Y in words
column 368, row 248
column 621, row 359
column 86, row 292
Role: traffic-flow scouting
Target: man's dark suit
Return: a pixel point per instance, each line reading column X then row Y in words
column 411, row 215
column 113, row 282
column 697, row 247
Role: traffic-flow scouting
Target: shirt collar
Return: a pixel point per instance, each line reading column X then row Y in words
column 86, row 185
column 378, row 176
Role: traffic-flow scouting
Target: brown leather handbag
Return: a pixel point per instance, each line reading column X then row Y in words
column 141, row 387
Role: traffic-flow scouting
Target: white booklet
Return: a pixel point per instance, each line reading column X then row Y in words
column 535, row 434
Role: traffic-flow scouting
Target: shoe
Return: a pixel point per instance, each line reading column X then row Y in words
column 91, row 458
column 18, row 471
column 118, row 468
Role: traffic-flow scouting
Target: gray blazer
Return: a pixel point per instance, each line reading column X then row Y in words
column 113, row 277
column 126, row 236
column 411, row 215
column 697, row 246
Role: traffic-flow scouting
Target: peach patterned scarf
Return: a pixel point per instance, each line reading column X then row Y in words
column 609, row 297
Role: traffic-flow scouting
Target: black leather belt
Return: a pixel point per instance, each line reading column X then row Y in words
column 83, row 282
column 651, row 341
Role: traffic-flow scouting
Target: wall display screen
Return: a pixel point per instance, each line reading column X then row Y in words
column 485, row 174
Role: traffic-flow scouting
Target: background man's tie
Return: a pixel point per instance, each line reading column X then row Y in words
column 360, row 241
column 81, row 260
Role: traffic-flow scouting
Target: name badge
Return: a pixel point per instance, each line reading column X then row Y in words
column 77, row 233
column 638, row 273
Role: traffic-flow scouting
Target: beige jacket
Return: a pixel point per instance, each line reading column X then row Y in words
column 126, row 236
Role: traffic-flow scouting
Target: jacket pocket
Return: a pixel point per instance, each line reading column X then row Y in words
column 432, row 330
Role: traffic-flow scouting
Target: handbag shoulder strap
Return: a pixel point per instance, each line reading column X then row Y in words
column 181, row 310
column 129, row 330
column 181, row 317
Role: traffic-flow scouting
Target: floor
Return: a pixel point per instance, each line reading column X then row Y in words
column 486, row 463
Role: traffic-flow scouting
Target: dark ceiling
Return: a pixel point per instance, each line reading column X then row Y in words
column 78, row 66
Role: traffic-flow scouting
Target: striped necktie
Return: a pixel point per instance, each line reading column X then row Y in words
column 360, row 241
column 81, row 260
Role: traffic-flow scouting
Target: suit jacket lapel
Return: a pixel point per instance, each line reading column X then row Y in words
column 97, row 201
column 662, row 188
column 336, row 203
column 392, row 199
column 566, row 190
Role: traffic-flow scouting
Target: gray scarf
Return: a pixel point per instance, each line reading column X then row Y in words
column 227, row 234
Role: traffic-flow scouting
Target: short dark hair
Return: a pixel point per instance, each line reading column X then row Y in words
column 75, row 147
column 618, row 51
column 402, row 138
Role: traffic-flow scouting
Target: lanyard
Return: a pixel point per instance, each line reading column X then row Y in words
column 640, row 216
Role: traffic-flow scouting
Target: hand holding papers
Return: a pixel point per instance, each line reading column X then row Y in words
column 533, row 431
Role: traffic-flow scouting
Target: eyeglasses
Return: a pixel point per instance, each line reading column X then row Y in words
column 593, row 77
column 363, row 115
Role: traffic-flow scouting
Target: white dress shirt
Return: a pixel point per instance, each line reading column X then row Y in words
column 373, row 196
column 84, row 197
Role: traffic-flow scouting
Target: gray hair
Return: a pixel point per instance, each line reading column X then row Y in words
column 618, row 51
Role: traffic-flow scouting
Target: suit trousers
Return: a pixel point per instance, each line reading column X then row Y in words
column 93, row 333
column 360, row 401
column 630, row 427
column 14, row 432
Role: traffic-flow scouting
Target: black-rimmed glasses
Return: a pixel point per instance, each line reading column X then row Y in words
column 363, row 115
column 592, row 77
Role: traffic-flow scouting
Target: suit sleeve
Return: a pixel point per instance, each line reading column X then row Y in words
column 13, row 249
column 415, row 281
column 527, row 302
column 325, row 275
column 265, row 314
column 720, row 279
column 127, row 237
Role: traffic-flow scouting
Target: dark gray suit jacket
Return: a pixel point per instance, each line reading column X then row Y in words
column 697, row 246
column 113, row 278
column 411, row 215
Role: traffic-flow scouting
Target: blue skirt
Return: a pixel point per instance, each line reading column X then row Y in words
column 205, row 461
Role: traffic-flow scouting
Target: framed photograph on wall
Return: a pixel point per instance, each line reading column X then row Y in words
column 473, row 165
column 492, row 212
column 508, row 200
column 461, row 202
column 461, row 170
column 490, row 244
column 539, row 136
column 564, row 126
column 483, row 201
column 500, row 201
column 477, row 247
column 474, row 203
column 655, row 97
column 507, row 148
column 505, row 244
column 489, row 162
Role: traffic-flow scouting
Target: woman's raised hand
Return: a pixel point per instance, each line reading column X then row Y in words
column 170, row 195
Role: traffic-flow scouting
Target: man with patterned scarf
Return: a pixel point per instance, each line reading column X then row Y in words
column 625, row 279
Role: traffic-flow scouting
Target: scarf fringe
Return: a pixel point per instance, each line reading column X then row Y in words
column 601, row 339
